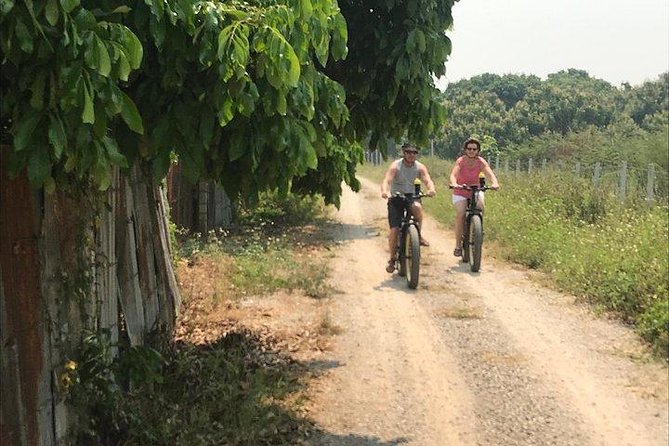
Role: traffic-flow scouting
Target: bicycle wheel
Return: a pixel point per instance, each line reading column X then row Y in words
column 476, row 239
column 412, row 254
column 401, row 256
column 465, row 241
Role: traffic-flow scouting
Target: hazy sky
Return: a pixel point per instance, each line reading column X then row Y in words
column 615, row 40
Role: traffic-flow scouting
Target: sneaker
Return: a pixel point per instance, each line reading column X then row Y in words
column 391, row 266
column 424, row 242
column 457, row 252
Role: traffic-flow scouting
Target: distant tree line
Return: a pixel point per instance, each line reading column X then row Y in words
column 562, row 116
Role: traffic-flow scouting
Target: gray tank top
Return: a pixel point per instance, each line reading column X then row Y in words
column 404, row 178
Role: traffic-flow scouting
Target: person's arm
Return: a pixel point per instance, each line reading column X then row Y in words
column 454, row 174
column 390, row 174
column 490, row 175
column 427, row 180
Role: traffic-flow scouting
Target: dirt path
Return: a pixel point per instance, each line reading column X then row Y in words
column 472, row 359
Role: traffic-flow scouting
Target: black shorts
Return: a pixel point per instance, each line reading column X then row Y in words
column 396, row 210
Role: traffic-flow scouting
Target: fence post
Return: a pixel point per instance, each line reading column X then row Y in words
column 597, row 173
column 506, row 165
column 623, row 180
column 650, row 185
column 577, row 168
column 530, row 165
column 497, row 163
column 543, row 164
column 517, row 166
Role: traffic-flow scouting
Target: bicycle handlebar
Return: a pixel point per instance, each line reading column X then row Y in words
column 472, row 187
column 409, row 195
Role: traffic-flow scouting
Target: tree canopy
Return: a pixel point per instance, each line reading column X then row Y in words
column 513, row 109
column 254, row 94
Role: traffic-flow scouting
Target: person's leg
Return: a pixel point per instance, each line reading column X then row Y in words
column 480, row 203
column 392, row 246
column 417, row 210
column 394, row 222
column 460, row 206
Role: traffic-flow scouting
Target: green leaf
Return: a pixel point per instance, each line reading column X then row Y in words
column 122, row 10
column 69, row 5
column 37, row 98
column 306, row 9
column 104, row 62
column 6, row 6
column 135, row 52
column 24, row 37
column 123, row 67
column 57, row 136
column 88, row 114
column 51, row 12
column 225, row 113
column 38, row 167
column 131, row 115
column 236, row 151
column 25, row 131
column 115, row 156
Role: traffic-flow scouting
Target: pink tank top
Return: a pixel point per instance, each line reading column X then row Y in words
column 468, row 174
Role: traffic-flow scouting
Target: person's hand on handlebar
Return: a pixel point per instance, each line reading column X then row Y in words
column 431, row 193
column 384, row 194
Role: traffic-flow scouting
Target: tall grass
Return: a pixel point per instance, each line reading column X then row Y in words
column 610, row 253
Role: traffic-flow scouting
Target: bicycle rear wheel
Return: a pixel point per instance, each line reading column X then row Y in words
column 412, row 255
column 401, row 256
column 476, row 230
column 466, row 241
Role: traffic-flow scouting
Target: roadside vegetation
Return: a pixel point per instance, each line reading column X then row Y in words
column 217, row 382
column 609, row 253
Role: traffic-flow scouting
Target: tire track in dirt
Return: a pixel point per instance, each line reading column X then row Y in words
column 486, row 359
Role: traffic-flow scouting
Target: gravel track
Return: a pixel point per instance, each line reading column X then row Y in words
column 489, row 358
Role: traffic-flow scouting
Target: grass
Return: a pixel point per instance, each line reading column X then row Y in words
column 612, row 254
column 240, row 388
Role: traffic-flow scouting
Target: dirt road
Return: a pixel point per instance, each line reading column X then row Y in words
column 472, row 359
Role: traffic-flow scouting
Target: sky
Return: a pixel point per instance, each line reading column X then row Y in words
column 615, row 40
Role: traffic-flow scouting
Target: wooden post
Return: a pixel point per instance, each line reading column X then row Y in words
column 597, row 173
column 650, row 184
column 530, row 165
column 497, row 163
column 517, row 167
column 577, row 169
column 622, row 184
column 506, row 165
column 543, row 164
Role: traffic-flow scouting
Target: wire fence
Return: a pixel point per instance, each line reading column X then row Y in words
column 627, row 179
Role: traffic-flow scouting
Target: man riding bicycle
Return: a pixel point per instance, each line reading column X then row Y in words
column 400, row 178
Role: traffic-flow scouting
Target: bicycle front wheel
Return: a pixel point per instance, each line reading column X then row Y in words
column 476, row 230
column 466, row 241
column 412, row 254
column 401, row 255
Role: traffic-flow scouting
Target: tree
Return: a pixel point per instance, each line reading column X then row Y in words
column 256, row 95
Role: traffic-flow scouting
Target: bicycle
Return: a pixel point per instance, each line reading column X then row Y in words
column 407, row 256
column 472, row 235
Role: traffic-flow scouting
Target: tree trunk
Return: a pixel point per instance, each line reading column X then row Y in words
column 71, row 262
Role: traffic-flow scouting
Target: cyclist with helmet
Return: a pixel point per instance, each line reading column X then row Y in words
column 466, row 171
column 400, row 178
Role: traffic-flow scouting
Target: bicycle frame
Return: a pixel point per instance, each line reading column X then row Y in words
column 472, row 234
column 408, row 244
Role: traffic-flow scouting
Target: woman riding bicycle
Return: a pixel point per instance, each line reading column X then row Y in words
column 400, row 178
column 466, row 171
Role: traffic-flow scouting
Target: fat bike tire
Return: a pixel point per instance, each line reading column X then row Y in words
column 401, row 255
column 466, row 241
column 412, row 255
column 476, row 230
